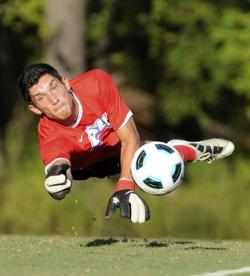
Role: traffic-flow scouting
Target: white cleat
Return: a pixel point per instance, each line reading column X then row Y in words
column 207, row 150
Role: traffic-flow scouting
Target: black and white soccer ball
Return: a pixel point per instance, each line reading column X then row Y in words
column 157, row 168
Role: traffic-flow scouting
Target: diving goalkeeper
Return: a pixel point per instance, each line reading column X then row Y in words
column 87, row 130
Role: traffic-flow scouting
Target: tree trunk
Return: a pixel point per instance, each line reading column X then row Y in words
column 65, row 49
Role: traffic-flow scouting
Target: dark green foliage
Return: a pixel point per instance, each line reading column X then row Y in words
column 191, row 54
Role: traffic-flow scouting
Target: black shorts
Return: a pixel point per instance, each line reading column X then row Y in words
column 105, row 168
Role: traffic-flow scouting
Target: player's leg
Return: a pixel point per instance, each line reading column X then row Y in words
column 206, row 150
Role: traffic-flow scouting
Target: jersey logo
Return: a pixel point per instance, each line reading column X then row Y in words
column 81, row 139
column 94, row 131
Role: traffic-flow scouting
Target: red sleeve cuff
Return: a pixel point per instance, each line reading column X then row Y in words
column 124, row 185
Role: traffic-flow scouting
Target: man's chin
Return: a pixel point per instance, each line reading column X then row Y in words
column 64, row 120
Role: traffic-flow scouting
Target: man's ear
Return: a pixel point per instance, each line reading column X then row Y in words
column 66, row 83
column 34, row 109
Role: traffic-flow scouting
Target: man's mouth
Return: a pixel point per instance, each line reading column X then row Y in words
column 58, row 107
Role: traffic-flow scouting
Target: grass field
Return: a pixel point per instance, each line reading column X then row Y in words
column 60, row 255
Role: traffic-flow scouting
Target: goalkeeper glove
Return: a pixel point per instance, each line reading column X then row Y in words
column 131, row 204
column 57, row 184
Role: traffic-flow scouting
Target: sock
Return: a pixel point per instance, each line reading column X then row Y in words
column 187, row 153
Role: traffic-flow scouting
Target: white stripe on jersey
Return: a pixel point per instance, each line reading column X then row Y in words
column 128, row 116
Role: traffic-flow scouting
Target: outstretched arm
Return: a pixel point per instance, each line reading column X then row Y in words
column 131, row 205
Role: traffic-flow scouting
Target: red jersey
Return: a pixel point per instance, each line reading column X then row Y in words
column 92, row 138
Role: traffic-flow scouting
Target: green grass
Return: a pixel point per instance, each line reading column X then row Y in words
column 66, row 255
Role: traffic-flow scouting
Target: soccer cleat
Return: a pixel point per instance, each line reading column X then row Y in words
column 207, row 150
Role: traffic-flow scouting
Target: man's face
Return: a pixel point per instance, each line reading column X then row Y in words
column 51, row 97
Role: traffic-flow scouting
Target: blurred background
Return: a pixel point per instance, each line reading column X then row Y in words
column 184, row 69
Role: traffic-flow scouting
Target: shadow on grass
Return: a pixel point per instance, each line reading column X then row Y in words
column 157, row 244
column 152, row 244
column 166, row 244
column 100, row 242
column 205, row 248
column 181, row 242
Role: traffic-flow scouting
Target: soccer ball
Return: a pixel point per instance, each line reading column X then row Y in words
column 157, row 168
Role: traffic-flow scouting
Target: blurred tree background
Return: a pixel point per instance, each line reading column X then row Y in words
column 183, row 67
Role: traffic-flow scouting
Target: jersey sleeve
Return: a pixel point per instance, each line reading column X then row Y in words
column 52, row 145
column 118, row 112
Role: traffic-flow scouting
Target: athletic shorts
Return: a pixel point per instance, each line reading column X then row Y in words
column 103, row 169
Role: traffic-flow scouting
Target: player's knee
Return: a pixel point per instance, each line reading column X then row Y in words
column 60, row 195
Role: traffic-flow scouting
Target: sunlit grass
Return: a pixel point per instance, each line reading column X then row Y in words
column 69, row 255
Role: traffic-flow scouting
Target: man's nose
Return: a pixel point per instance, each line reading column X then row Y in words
column 52, row 98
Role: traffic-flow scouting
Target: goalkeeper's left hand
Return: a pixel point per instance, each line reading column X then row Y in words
column 131, row 205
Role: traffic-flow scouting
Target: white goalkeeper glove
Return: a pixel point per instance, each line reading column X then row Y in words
column 57, row 183
column 131, row 206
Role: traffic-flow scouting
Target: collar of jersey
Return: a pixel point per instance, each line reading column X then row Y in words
column 79, row 117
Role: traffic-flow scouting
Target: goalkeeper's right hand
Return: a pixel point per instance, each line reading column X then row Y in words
column 131, row 205
column 57, row 183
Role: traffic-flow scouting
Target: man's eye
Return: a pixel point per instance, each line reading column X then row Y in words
column 54, row 86
column 39, row 98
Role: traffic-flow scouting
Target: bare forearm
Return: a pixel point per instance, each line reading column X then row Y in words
column 130, row 142
column 127, row 152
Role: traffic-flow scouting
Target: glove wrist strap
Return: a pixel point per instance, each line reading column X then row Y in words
column 123, row 184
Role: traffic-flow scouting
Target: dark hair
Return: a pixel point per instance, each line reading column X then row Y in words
column 31, row 75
